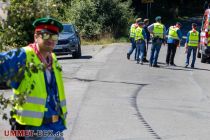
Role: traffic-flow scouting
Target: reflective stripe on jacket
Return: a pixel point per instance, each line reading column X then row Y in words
column 158, row 30
column 173, row 32
column 193, row 39
column 139, row 34
column 32, row 111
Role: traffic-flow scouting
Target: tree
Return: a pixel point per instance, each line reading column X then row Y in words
column 97, row 17
column 114, row 15
column 167, row 8
column 21, row 14
column 83, row 15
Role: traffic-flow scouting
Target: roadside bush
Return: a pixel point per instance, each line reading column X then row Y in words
column 97, row 17
column 83, row 15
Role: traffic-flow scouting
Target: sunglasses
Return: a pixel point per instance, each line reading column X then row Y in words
column 46, row 36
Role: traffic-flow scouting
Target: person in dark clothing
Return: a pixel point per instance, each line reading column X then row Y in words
column 146, row 23
column 174, row 37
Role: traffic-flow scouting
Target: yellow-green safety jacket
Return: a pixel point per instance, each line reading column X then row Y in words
column 132, row 30
column 173, row 32
column 193, row 39
column 158, row 30
column 32, row 111
column 138, row 34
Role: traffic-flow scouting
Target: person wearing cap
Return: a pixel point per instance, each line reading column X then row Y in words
column 132, row 39
column 140, row 37
column 174, row 37
column 35, row 69
column 191, row 45
column 157, row 30
column 146, row 23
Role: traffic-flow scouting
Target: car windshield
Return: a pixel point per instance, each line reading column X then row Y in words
column 67, row 29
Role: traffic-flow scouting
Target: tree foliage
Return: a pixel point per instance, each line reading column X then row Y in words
column 168, row 9
column 93, row 18
column 17, row 30
column 97, row 17
column 83, row 14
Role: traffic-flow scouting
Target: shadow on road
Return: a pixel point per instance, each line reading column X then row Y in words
column 176, row 68
column 163, row 66
column 70, row 57
column 198, row 69
column 182, row 68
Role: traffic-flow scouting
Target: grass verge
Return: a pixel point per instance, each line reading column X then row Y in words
column 104, row 41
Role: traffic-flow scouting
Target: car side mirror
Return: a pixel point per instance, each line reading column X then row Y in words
column 77, row 31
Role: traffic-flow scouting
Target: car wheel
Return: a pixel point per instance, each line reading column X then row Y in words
column 78, row 53
column 203, row 58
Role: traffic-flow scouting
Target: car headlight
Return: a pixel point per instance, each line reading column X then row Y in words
column 73, row 40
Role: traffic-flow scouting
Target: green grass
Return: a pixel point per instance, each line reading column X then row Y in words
column 104, row 41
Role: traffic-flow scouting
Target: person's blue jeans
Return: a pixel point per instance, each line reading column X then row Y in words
column 155, row 49
column 189, row 50
column 133, row 47
column 140, row 48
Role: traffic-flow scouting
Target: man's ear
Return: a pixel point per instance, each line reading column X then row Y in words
column 35, row 37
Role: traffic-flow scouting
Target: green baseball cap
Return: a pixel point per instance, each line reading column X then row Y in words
column 49, row 24
column 158, row 18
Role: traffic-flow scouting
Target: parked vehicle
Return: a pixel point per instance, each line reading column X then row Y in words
column 68, row 42
column 204, row 49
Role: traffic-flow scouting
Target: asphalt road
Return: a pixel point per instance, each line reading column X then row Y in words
column 112, row 98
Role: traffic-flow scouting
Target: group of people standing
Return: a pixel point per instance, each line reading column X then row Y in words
column 141, row 33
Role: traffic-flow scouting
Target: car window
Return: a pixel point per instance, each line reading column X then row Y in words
column 68, row 28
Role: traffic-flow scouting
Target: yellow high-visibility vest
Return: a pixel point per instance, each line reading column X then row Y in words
column 132, row 30
column 173, row 32
column 138, row 33
column 32, row 111
column 193, row 39
column 158, row 30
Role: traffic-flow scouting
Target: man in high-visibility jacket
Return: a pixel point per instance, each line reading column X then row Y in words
column 158, row 37
column 174, row 37
column 132, row 39
column 191, row 45
column 35, row 69
column 140, row 37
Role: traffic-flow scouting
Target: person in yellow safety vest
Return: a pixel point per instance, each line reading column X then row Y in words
column 158, row 32
column 140, row 36
column 191, row 45
column 132, row 39
column 35, row 69
column 174, row 37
